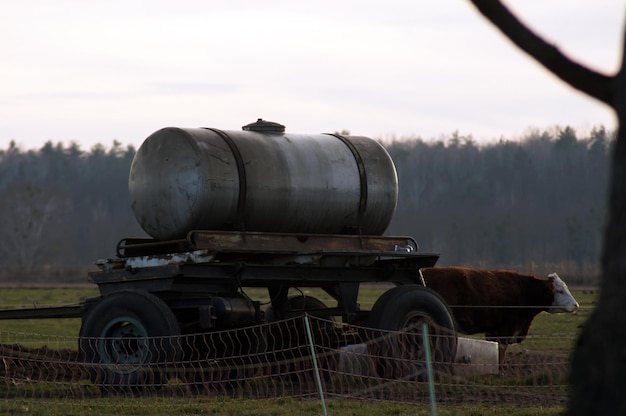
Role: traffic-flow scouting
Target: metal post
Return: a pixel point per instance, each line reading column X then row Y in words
column 429, row 370
column 317, row 372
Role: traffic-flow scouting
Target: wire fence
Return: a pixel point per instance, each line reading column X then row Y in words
column 303, row 357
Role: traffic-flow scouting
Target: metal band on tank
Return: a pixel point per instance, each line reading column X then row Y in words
column 241, row 171
column 362, row 173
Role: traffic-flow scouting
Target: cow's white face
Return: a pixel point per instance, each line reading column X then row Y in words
column 563, row 299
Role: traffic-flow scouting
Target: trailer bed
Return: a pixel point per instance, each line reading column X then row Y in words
column 206, row 258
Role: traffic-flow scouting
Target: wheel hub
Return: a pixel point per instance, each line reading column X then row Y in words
column 123, row 341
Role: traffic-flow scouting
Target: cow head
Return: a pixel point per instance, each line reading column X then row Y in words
column 563, row 299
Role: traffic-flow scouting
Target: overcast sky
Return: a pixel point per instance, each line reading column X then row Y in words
column 94, row 71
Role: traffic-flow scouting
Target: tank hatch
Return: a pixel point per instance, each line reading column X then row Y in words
column 264, row 126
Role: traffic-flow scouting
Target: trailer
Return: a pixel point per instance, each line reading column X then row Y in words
column 217, row 229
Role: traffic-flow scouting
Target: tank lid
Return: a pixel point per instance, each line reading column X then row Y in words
column 263, row 125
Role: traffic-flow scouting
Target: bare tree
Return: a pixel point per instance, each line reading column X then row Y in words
column 599, row 362
column 27, row 216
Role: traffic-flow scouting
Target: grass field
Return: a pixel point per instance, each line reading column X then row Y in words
column 544, row 326
column 548, row 333
column 275, row 407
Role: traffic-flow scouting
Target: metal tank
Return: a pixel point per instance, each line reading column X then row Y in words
column 261, row 179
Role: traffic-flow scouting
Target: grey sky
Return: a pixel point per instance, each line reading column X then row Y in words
column 94, row 71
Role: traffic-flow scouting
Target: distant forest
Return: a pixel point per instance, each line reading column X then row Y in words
column 535, row 204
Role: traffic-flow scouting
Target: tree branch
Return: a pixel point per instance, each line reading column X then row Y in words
column 578, row 76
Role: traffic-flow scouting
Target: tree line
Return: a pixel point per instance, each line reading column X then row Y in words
column 533, row 203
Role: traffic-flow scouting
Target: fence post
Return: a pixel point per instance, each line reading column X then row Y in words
column 317, row 372
column 429, row 370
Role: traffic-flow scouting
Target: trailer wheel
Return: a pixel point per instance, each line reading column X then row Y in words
column 400, row 313
column 126, row 339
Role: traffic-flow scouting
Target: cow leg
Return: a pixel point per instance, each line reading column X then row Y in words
column 502, row 346
column 503, row 343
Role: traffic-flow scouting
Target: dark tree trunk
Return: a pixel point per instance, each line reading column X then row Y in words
column 598, row 367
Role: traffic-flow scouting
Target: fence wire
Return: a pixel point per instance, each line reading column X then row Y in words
column 275, row 360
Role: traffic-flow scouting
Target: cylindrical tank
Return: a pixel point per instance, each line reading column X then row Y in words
column 261, row 179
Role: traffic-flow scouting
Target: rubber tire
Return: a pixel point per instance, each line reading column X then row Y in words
column 126, row 338
column 403, row 306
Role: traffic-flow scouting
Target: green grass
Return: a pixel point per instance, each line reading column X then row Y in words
column 548, row 333
column 367, row 295
column 553, row 332
column 557, row 332
column 28, row 330
column 274, row 407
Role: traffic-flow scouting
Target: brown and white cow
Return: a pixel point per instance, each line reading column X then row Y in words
column 500, row 303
